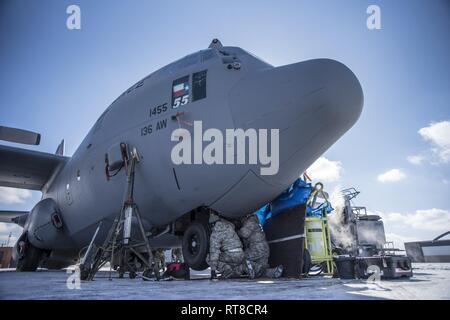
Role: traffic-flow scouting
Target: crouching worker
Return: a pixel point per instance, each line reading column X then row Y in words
column 226, row 255
column 256, row 247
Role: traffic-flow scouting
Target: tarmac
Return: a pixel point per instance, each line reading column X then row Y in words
column 430, row 281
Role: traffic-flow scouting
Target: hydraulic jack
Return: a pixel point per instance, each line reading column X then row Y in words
column 119, row 244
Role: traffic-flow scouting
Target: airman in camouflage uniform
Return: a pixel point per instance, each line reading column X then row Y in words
column 160, row 259
column 256, row 247
column 226, row 255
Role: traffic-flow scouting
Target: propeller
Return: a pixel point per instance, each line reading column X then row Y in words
column 19, row 136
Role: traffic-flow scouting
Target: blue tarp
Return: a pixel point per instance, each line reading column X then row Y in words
column 263, row 214
column 298, row 193
column 317, row 212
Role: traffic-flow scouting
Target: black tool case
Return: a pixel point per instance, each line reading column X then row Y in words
column 390, row 267
column 286, row 235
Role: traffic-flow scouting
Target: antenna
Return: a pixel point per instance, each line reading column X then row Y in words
column 215, row 44
column 9, row 238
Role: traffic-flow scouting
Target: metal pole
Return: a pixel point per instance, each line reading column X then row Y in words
column 147, row 245
column 89, row 249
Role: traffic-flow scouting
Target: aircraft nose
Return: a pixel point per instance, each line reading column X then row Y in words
column 312, row 103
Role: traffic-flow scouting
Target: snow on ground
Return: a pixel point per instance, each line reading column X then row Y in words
column 430, row 281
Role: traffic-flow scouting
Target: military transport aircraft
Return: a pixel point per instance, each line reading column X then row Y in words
column 311, row 103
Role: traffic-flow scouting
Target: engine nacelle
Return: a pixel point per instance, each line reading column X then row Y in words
column 44, row 226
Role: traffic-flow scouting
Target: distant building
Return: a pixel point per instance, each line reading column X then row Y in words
column 6, row 260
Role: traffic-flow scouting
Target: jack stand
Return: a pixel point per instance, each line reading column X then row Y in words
column 119, row 243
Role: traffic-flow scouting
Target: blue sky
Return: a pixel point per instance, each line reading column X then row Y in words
column 58, row 81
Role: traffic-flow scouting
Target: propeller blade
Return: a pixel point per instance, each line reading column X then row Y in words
column 19, row 136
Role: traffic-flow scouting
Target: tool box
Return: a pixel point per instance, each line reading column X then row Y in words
column 285, row 235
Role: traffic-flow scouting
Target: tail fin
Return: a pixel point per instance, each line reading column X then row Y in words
column 61, row 148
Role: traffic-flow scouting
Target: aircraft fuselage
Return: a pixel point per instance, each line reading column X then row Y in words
column 311, row 104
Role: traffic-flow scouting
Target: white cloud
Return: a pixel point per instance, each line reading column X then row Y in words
column 393, row 175
column 6, row 229
column 13, row 196
column 439, row 135
column 435, row 220
column 416, row 159
column 9, row 227
column 399, row 240
column 325, row 170
column 413, row 226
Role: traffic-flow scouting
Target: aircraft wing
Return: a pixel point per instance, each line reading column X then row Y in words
column 27, row 169
column 17, row 217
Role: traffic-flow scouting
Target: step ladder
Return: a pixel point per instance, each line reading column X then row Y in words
column 119, row 243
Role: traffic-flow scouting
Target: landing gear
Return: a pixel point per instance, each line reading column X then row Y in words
column 29, row 256
column 196, row 245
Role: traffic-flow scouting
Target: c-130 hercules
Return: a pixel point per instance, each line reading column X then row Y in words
column 312, row 104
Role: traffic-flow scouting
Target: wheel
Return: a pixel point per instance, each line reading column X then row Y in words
column 195, row 245
column 29, row 257
column 306, row 261
column 132, row 274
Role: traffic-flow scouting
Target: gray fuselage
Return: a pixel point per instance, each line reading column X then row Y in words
column 312, row 103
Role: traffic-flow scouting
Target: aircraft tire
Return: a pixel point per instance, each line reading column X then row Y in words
column 30, row 259
column 195, row 245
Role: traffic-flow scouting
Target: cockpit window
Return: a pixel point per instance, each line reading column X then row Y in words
column 199, row 85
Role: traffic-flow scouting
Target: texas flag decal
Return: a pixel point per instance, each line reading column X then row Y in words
column 180, row 92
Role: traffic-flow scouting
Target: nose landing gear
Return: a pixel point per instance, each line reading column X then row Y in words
column 195, row 245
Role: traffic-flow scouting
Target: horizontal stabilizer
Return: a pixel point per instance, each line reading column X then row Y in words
column 19, row 136
column 17, row 217
column 27, row 169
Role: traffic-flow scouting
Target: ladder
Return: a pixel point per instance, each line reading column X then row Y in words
column 119, row 243
column 318, row 242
